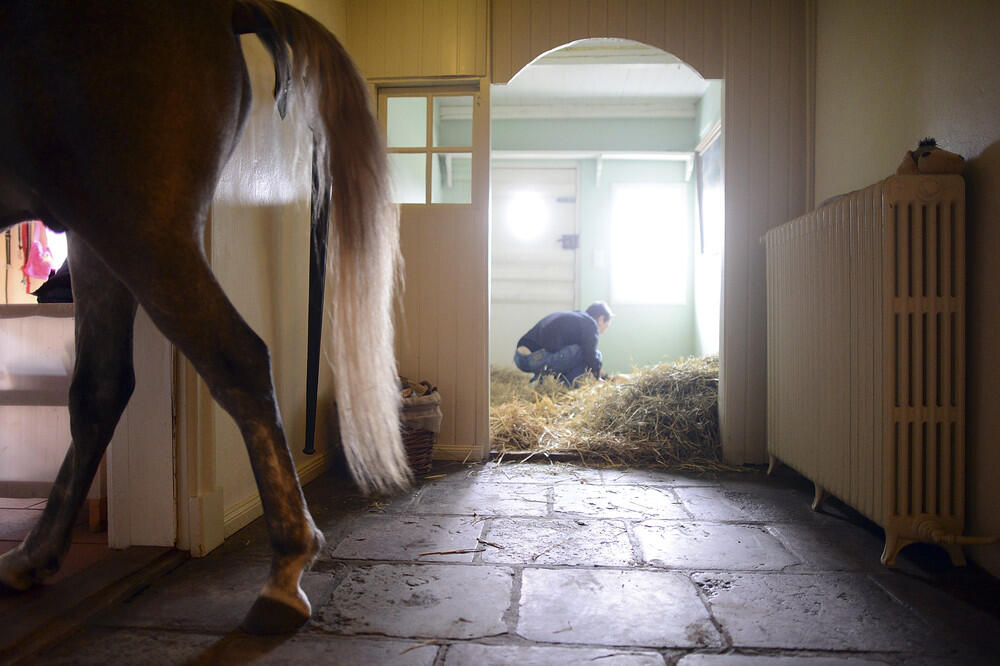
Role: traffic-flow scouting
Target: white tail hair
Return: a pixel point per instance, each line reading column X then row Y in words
column 364, row 259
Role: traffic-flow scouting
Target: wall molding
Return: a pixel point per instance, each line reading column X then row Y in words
column 242, row 514
column 457, row 452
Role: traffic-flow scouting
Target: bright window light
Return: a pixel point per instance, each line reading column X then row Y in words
column 57, row 246
column 527, row 215
column 649, row 243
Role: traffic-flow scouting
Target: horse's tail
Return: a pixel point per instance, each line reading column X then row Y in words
column 350, row 165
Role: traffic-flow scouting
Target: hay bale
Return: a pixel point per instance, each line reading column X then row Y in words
column 509, row 385
column 665, row 415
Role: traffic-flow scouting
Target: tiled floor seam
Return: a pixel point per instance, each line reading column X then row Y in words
column 482, row 542
column 727, row 640
column 513, row 613
column 847, row 656
column 324, row 565
column 882, row 596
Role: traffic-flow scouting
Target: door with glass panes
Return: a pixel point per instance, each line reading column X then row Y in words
column 429, row 137
column 438, row 144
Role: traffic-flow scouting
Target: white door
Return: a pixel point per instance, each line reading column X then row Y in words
column 534, row 256
column 142, row 505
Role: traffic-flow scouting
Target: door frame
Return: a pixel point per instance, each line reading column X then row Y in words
column 142, row 489
column 464, row 389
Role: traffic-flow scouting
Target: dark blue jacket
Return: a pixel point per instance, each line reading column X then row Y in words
column 562, row 329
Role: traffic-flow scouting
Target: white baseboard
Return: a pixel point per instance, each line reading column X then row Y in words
column 460, row 452
column 313, row 468
column 244, row 513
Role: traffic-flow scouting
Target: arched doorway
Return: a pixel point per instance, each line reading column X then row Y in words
column 606, row 185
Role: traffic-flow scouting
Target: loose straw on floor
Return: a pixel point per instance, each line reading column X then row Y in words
column 663, row 416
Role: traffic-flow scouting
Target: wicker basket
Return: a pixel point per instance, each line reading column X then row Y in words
column 420, row 421
column 419, row 448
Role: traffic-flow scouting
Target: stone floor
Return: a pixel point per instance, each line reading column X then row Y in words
column 559, row 564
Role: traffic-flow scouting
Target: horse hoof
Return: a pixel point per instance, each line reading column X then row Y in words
column 270, row 616
column 14, row 575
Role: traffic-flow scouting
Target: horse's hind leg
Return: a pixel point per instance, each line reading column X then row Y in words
column 102, row 384
column 172, row 281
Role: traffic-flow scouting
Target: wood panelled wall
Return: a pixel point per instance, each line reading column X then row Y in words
column 444, row 331
column 442, row 335
column 525, row 29
column 761, row 48
column 418, row 38
column 768, row 145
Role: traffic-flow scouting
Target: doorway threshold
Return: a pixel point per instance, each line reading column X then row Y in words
column 36, row 619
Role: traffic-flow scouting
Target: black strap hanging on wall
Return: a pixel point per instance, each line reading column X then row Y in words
column 319, row 228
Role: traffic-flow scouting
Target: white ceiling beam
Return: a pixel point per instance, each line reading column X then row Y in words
column 601, row 156
column 677, row 108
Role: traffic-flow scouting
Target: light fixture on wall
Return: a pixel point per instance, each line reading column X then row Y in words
column 527, row 215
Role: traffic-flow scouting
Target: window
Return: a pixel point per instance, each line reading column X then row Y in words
column 711, row 193
column 429, row 138
column 649, row 243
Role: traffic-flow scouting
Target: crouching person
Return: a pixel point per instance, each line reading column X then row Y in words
column 564, row 344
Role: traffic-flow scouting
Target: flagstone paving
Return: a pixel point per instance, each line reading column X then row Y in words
column 533, row 564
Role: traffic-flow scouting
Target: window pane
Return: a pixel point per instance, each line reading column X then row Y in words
column 649, row 243
column 406, row 124
column 713, row 199
column 453, row 120
column 409, row 177
column 451, row 178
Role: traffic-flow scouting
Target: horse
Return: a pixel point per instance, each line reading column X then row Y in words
column 116, row 119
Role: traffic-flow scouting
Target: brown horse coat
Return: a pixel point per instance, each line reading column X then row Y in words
column 116, row 119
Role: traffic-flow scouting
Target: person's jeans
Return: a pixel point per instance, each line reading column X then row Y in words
column 567, row 364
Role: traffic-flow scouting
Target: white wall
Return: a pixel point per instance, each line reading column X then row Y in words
column 259, row 246
column 889, row 73
column 708, row 265
column 36, row 353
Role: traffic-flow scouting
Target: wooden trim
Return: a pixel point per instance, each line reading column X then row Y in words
column 25, row 489
column 42, row 397
column 20, row 310
column 428, row 142
column 710, row 136
column 810, row 110
column 464, row 452
column 53, row 612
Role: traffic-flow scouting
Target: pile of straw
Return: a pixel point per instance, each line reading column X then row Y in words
column 666, row 415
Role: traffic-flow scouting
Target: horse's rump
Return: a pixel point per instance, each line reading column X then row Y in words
column 115, row 121
column 364, row 259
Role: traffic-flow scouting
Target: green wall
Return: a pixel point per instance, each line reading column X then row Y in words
column 660, row 134
column 641, row 334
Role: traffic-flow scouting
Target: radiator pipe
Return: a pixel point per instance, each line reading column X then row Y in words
column 931, row 530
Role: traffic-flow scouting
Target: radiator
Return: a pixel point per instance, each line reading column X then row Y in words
column 866, row 356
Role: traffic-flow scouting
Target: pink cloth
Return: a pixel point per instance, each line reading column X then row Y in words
column 38, row 263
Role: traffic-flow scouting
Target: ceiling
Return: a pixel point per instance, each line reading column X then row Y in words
column 604, row 78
